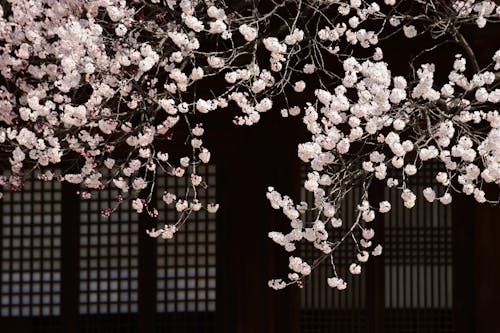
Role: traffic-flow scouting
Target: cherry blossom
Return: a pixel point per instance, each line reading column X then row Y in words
column 111, row 83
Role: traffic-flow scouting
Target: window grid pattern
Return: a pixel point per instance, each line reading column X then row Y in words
column 31, row 252
column 186, row 264
column 418, row 262
column 108, row 257
column 324, row 309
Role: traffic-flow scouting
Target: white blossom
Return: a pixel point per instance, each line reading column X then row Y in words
column 248, row 32
column 410, row 31
column 384, row 206
column 377, row 251
column 355, row 269
column 111, row 91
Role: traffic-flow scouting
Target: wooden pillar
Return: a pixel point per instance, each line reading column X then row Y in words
column 476, row 266
column 69, row 257
column 248, row 160
column 463, row 220
column 484, row 276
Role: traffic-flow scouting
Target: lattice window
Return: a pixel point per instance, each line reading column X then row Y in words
column 186, row 263
column 108, row 256
column 418, row 262
column 417, row 272
column 31, row 251
column 324, row 309
column 107, row 259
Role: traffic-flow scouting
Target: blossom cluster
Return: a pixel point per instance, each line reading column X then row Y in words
column 373, row 126
column 107, row 87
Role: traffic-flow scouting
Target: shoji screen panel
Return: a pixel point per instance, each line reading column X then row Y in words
column 30, row 268
column 186, row 264
column 418, row 263
column 108, row 264
column 324, row 309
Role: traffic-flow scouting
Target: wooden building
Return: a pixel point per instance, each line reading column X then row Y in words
column 64, row 268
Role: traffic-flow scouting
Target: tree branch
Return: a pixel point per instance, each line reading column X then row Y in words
column 460, row 39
